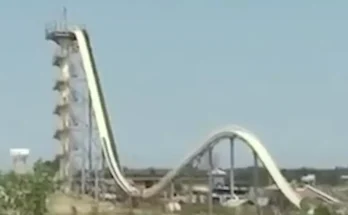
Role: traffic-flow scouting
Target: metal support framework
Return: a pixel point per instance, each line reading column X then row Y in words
column 62, row 110
column 256, row 182
column 211, row 182
column 81, row 158
column 232, row 167
column 79, row 112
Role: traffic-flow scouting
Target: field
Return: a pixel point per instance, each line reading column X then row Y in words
column 61, row 204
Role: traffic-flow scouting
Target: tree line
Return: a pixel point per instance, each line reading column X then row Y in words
column 245, row 175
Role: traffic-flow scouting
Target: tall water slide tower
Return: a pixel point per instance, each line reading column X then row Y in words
column 79, row 151
column 80, row 154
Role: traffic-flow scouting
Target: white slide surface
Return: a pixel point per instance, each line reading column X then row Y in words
column 323, row 194
column 108, row 143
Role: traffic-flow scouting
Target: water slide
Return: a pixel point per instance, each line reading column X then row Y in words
column 109, row 145
column 323, row 194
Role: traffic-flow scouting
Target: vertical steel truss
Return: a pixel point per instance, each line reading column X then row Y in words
column 81, row 160
column 88, row 156
column 62, row 110
column 91, row 159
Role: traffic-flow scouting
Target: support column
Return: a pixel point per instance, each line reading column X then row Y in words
column 232, row 167
column 172, row 191
column 83, row 176
column 256, row 171
column 90, row 132
column 63, row 133
column 97, row 173
column 63, row 39
column 211, row 182
column 103, row 167
column 256, row 182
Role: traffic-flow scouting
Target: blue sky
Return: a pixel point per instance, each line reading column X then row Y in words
column 175, row 70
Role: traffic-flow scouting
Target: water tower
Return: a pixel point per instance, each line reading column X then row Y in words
column 19, row 159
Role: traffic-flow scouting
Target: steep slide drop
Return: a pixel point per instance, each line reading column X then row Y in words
column 110, row 151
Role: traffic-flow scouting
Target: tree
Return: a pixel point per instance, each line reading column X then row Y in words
column 26, row 194
column 49, row 166
column 322, row 210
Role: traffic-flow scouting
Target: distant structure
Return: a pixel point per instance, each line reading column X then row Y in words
column 309, row 179
column 19, row 159
column 344, row 178
column 218, row 177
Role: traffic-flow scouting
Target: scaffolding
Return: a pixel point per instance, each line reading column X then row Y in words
column 81, row 161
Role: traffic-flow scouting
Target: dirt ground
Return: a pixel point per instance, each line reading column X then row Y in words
column 63, row 204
